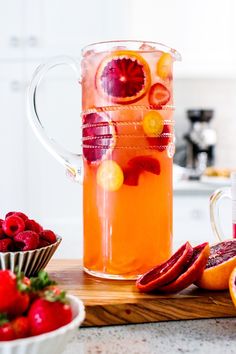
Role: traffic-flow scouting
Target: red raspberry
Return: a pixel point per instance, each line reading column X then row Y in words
column 6, row 245
column 12, row 225
column 18, row 213
column 32, row 225
column 48, row 236
column 43, row 243
column 26, row 240
column 2, row 233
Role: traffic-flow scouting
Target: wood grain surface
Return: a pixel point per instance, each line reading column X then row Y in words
column 110, row 302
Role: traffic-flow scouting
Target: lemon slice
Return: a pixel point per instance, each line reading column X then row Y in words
column 110, row 176
column 153, row 124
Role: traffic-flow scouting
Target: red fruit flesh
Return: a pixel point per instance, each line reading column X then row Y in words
column 159, row 95
column 26, row 240
column 167, row 271
column 98, row 136
column 192, row 272
column 45, row 316
column 161, row 142
column 48, row 235
column 122, row 78
column 221, row 252
column 12, row 225
column 137, row 165
column 2, row 233
column 32, row 225
column 6, row 245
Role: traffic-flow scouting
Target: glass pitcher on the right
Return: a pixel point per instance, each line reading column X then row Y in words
column 215, row 200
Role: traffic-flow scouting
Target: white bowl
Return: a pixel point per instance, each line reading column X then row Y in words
column 29, row 262
column 48, row 343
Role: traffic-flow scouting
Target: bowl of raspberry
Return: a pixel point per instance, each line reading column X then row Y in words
column 25, row 244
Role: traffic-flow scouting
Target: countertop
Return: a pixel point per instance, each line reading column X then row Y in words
column 193, row 336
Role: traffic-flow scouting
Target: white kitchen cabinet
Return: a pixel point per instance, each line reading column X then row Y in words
column 11, row 29
column 12, row 140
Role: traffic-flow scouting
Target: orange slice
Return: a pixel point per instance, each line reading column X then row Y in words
column 153, row 124
column 123, row 77
column 110, row 176
column 232, row 286
column 220, row 264
column 164, row 66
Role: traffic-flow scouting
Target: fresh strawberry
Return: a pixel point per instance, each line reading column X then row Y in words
column 14, row 298
column 6, row 330
column 48, row 236
column 32, row 225
column 8, row 290
column 26, row 240
column 20, row 326
column 131, row 176
column 12, row 225
column 49, row 313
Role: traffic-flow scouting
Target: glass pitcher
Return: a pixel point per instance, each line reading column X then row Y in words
column 127, row 152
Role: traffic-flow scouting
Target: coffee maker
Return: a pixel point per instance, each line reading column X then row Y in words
column 200, row 140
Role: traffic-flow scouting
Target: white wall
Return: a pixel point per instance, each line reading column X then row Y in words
column 34, row 30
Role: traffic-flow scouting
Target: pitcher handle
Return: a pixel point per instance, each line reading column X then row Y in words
column 215, row 199
column 72, row 161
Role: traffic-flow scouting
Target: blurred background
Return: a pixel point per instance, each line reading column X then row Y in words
column 32, row 31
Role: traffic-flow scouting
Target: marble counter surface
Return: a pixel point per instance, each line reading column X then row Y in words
column 215, row 336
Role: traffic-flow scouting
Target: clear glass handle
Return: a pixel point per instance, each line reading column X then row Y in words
column 72, row 161
column 215, row 200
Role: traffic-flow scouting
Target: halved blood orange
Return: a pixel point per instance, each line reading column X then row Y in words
column 221, row 262
column 192, row 271
column 159, row 95
column 123, row 77
column 98, row 136
column 232, row 286
column 167, row 271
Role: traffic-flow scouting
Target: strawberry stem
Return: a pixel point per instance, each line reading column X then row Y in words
column 41, row 281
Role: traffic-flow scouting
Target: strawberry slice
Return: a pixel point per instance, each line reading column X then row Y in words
column 138, row 165
column 159, row 95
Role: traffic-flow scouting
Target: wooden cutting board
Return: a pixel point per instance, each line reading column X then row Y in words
column 110, row 302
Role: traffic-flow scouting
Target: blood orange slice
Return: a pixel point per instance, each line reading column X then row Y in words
column 221, row 262
column 137, row 165
column 123, row 77
column 192, row 271
column 232, row 286
column 159, row 95
column 167, row 271
column 98, row 136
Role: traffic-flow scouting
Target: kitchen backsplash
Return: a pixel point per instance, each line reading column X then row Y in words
column 217, row 94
